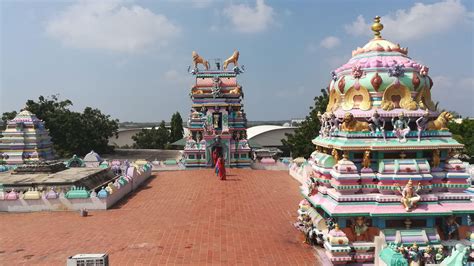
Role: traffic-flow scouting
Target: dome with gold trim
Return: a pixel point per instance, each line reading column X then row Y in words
column 380, row 76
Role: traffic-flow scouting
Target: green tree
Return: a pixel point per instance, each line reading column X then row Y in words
column 5, row 117
column 464, row 133
column 152, row 138
column 73, row 132
column 299, row 143
column 177, row 131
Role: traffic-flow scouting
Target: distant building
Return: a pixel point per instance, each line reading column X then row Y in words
column 269, row 136
column 125, row 135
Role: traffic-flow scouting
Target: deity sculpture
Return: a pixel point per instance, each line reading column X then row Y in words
column 436, row 158
column 335, row 154
column 410, row 195
column 401, row 127
column 439, row 255
column 428, row 255
column 422, row 123
column 414, row 255
column 366, row 160
column 360, row 229
column 377, row 124
column 335, row 123
column 451, row 228
column 325, row 124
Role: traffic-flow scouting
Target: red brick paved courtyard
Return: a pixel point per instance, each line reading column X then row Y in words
column 182, row 217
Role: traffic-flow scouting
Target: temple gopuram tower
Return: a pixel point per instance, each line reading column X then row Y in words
column 25, row 140
column 217, row 123
column 384, row 183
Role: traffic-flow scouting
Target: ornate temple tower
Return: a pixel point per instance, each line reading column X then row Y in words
column 384, row 169
column 25, row 140
column 217, row 122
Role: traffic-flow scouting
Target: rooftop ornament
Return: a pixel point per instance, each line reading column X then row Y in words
column 377, row 27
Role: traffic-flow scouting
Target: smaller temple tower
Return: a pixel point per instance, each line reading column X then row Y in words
column 217, row 121
column 25, row 140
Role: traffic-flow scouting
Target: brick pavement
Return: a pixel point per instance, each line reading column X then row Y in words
column 182, row 217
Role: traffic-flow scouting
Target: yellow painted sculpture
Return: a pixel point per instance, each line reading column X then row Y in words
column 397, row 91
column 351, row 124
column 436, row 159
column 236, row 90
column 196, row 91
column 440, row 123
column 233, row 59
column 197, row 59
column 335, row 154
column 352, row 93
column 366, row 160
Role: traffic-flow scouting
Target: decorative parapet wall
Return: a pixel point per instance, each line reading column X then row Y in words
column 76, row 198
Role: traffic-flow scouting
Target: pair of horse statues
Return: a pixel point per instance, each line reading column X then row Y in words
column 197, row 59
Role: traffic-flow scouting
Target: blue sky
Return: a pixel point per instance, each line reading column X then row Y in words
column 129, row 58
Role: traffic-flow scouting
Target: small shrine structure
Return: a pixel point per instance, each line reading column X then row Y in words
column 25, row 141
column 217, row 122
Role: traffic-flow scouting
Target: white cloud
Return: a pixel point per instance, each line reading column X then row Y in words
column 111, row 25
column 419, row 21
column 195, row 3
column 330, row 42
column 247, row 19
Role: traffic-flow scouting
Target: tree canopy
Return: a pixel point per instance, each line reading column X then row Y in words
column 464, row 133
column 177, row 131
column 154, row 138
column 72, row 132
column 299, row 143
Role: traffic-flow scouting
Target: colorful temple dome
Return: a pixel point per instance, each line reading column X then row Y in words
column 380, row 75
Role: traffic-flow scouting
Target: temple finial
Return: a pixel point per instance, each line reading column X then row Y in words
column 377, row 27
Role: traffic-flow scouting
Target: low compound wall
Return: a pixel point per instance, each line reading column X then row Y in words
column 104, row 199
column 300, row 172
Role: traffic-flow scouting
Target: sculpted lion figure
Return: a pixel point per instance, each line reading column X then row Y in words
column 236, row 90
column 440, row 123
column 197, row 59
column 233, row 59
column 349, row 123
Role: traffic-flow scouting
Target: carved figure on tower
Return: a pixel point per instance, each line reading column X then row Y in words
column 197, row 59
column 233, row 59
column 377, row 124
column 422, row 123
column 410, row 195
column 351, row 124
column 401, row 127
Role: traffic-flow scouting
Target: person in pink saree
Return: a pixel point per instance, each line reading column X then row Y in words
column 221, row 168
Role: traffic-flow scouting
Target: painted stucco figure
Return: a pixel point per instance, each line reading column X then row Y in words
column 401, row 127
column 410, row 195
column 422, row 123
column 377, row 124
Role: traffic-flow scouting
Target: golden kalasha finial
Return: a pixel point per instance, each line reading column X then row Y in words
column 377, row 27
